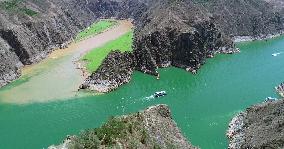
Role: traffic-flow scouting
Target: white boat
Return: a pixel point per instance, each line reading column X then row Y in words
column 160, row 94
column 270, row 99
column 275, row 54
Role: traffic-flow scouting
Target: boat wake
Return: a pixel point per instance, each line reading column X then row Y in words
column 148, row 98
column 130, row 100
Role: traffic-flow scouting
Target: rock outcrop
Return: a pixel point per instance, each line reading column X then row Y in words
column 247, row 18
column 9, row 64
column 151, row 128
column 260, row 126
column 173, row 37
column 115, row 71
column 27, row 39
column 280, row 89
column 185, row 33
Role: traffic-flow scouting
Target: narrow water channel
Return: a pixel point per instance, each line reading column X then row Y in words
column 202, row 104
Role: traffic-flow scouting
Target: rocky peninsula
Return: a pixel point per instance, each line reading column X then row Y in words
column 259, row 126
column 151, row 128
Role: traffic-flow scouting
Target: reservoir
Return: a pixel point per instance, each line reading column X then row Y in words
column 201, row 104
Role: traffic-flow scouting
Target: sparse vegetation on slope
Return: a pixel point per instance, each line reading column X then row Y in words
column 152, row 128
column 96, row 28
column 17, row 7
column 95, row 57
column 115, row 130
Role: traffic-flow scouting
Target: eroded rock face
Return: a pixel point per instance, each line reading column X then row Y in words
column 172, row 38
column 160, row 126
column 260, row 126
column 185, row 33
column 280, row 89
column 31, row 38
column 151, row 128
column 9, row 64
column 115, row 71
column 247, row 18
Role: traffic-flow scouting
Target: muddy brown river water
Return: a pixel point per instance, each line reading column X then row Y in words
column 57, row 77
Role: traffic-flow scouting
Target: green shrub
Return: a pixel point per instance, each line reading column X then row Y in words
column 9, row 5
column 29, row 11
column 130, row 132
column 87, row 139
column 110, row 131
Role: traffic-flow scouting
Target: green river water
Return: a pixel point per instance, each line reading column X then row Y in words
column 202, row 104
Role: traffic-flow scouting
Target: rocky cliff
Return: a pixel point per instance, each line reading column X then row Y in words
column 181, row 33
column 260, row 126
column 151, row 128
column 115, row 71
column 247, row 18
column 29, row 29
column 184, row 33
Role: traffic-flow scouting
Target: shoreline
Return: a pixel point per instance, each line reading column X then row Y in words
column 239, row 126
column 70, row 47
column 55, row 72
column 254, row 127
column 235, row 132
column 67, row 48
column 59, row 51
column 239, row 39
column 81, row 65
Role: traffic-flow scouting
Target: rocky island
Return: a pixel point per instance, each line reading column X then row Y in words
column 148, row 129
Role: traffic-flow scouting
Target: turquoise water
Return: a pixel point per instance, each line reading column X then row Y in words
column 202, row 104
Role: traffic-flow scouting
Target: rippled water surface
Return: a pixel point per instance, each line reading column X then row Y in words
column 202, row 105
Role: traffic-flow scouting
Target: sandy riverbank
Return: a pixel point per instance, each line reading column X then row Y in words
column 58, row 77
